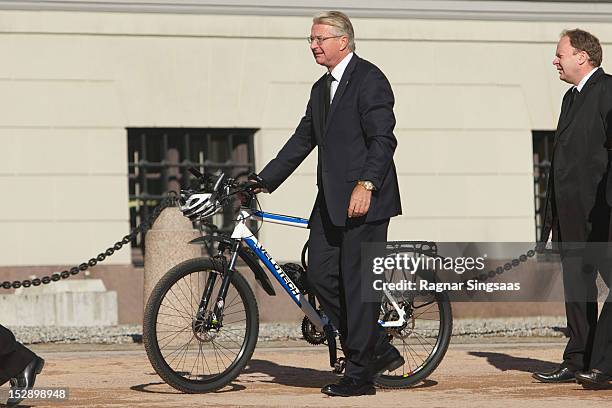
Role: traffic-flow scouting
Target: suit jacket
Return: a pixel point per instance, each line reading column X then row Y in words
column 355, row 143
column 578, row 184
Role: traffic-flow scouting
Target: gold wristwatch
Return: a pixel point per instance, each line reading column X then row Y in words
column 367, row 184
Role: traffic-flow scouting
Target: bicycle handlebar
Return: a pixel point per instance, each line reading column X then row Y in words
column 225, row 187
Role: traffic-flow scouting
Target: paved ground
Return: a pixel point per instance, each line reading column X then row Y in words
column 473, row 374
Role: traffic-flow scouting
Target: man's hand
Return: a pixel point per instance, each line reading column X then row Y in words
column 245, row 197
column 259, row 188
column 360, row 202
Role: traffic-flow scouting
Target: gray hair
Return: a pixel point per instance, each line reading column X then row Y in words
column 341, row 23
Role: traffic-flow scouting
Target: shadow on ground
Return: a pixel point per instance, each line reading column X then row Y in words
column 166, row 389
column 273, row 373
column 505, row 362
column 302, row 377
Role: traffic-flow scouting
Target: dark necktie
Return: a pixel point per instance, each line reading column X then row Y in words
column 572, row 99
column 326, row 96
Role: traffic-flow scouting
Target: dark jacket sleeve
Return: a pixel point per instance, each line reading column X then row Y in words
column 605, row 105
column 377, row 120
column 291, row 155
column 606, row 114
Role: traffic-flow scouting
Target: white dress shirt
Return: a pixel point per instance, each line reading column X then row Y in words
column 582, row 81
column 337, row 74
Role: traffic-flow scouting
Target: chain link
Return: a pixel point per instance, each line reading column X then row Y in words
column 169, row 201
column 484, row 276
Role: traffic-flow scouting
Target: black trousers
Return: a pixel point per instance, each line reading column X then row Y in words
column 14, row 356
column 590, row 338
column 334, row 274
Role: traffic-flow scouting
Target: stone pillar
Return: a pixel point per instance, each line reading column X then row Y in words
column 167, row 245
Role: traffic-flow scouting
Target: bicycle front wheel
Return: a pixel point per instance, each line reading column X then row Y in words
column 189, row 349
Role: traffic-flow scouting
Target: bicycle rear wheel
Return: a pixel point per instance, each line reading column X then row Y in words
column 194, row 353
column 422, row 341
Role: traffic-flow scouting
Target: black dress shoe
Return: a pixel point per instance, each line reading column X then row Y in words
column 594, row 379
column 390, row 360
column 26, row 379
column 560, row 375
column 349, row 387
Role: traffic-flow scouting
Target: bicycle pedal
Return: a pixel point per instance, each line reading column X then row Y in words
column 339, row 365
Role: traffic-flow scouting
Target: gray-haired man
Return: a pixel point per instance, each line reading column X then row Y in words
column 349, row 118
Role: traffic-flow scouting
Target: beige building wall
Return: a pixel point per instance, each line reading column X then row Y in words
column 468, row 95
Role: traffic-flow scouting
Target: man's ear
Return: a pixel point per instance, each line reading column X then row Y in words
column 343, row 43
column 583, row 57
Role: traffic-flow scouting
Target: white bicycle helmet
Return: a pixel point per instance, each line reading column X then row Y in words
column 199, row 205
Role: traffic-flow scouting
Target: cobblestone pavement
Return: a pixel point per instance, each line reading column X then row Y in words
column 476, row 372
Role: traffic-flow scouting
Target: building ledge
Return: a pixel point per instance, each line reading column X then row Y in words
column 575, row 11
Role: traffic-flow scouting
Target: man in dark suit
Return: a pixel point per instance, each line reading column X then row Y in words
column 350, row 119
column 577, row 209
column 17, row 364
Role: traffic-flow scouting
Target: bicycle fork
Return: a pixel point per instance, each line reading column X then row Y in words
column 215, row 320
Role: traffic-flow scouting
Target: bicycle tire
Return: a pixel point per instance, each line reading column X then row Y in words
column 433, row 360
column 159, row 362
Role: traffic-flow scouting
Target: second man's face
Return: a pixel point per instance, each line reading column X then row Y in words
column 567, row 62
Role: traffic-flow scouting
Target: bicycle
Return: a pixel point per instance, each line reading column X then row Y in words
column 201, row 320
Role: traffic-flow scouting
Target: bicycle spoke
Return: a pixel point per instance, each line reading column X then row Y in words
column 195, row 361
column 170, row 325
column 221, row 353
column 416, row 365
column 176, row 335
column 232, row 339
column 227, row 314
column 182, row 313
column 205, row 361
column 191, row 295
column 185, row 355
column 231, row 302
column 216, row 359
column 179, row 300
column 427, row 350
column 179, row 350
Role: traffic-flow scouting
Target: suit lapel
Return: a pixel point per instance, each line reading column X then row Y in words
column 318, row 105
column 563, row 116
column 566, row 118
column 344, row 81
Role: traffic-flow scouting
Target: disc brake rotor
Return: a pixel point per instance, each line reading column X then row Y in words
column 404, row 330
column 204, row 329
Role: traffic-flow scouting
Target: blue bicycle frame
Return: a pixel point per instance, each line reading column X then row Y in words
column 243, row 233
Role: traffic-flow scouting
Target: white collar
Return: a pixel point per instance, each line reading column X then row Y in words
column 585, row 79
column 338, row 70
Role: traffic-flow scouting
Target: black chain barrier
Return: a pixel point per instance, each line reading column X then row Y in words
column 169, row 201
column 507, row 266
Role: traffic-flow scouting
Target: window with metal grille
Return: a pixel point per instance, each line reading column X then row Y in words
column 158, row 159
column 542, row 155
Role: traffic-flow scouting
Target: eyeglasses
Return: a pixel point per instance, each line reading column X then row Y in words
column 319, row 40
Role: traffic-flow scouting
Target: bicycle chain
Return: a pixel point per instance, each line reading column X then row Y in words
column 166, row 202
